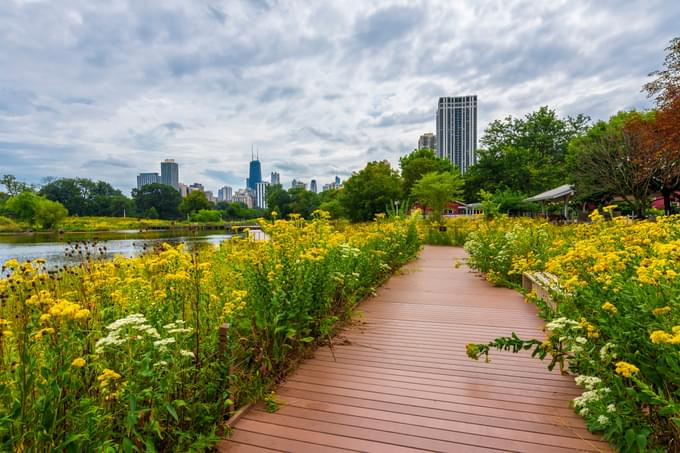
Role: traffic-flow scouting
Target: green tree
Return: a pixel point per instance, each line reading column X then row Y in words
column 370, row 191
column 436, row 189
column 604, row 163
column 23, row 206
column 291, row 201
column 206, row 215
column 14, row 186
column 194, row 202
column 419, row 162
column 163, row 198
column 36, row 210
column 84, row 197
column 49, row 213
column 330, row 202
column 525, row 155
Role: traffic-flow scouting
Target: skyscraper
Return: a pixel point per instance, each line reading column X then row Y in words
column 312, row 186
column 428, row 141
column 225, row 193
column 275, row 178
column 457, row 130
column 261, row 195
column 255, row 174
column 147, row 178
column 170, row 173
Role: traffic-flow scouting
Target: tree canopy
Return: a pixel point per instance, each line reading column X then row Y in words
column 605, row 162
column 163, row 199
column 436, row 189
column 194, row 202
column 371, row 191
column 524, row 155
column 292, row 201
column 419, row 162
column 84, row 197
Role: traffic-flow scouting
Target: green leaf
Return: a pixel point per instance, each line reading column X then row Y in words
column 171, row 411
column 307, row 339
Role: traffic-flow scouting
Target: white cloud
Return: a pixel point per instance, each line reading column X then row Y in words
column 108, row 90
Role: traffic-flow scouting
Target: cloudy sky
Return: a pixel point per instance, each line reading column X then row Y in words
column 106, row 89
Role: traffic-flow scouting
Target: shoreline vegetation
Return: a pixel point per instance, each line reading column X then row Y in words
column 98, row 224
column 127, row 353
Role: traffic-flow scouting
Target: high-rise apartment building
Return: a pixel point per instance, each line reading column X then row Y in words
column 147, row 178
column 312, row 186
column 457, row 130
column 427, row 141
column 170, row 173
column 225, row 194
column 261, row 195
column 275, row 178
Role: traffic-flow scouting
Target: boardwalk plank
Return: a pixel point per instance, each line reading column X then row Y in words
column 398, row 379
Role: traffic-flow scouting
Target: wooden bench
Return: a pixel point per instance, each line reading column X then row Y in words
column 542, row 284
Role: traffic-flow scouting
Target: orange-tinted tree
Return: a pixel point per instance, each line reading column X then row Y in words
column 661, row 137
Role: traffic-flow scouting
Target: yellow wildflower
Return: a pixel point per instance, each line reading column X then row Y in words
column 626, row 369
column 608, row 306
column 78, row 363
column 661, row 311
column 659, row 337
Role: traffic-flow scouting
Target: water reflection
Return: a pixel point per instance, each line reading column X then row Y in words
column 53, row 247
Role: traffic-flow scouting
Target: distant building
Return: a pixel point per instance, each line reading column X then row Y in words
column 337, row 180
column 298, row 184
column 457, row 130
column 209, row 196
column 254, row 175
column 170, row 173
column 261, row 195
column 147, row 178
column 312, row 186
column 225, row 194
column 427, row 141
column 196, row 186
column 183, row 190
column 275, row 178
column 243, row 196
column 331, row 186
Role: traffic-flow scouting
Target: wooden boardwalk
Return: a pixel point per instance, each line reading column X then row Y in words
column 401, row 380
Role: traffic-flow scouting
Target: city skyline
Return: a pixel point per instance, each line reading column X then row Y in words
column 324, row 91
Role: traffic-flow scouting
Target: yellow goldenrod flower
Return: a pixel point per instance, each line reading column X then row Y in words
column 661, row 311
column 78, row 363
column 608, row 306
column 660, row 337
column 626, row 369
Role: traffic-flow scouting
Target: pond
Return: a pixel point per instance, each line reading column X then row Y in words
column 54, row 247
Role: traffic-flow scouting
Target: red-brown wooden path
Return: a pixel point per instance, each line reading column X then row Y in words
column 401, row 380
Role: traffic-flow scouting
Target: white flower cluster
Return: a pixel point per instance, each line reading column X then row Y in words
column 611, row 408
column 177, row 327
column 115, row 336
column 347, row 250
column 590, row 396
column 385, row 266
column 588, row 382
column 603, row 419
column 606, row 352
column 185, row 353
column 562, row 323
